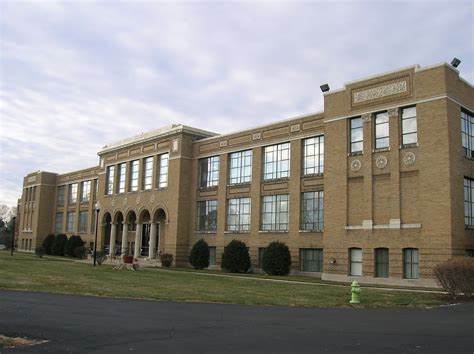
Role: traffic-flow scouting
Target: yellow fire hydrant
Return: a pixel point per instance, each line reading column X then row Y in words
column 355, row 290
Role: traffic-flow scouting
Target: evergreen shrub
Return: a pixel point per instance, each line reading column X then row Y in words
column 199, row 256
column 236, row 258
column 276, row 259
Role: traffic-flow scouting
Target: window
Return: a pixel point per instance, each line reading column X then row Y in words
column 238, row 214
column 276, row 161
column 357, row 135
column 122, row 170
column 85, row 191
column 212, row 256
column 148, row 175
column 312, row 211
column 109, row 189
column 58, row 228
column 82, row 221
column 72, row 198
column 96, row 183
column 467, row 133
column 381, row 131
column 275, row 213
column 355, row 260
column 468, row 202
column 410, row 263
column 311, row 260
column 71, row 222
column 207, row 215
column 409, row 128
column 163, row 175
column 209, row 172
column 60, row 196
column 240, row 167
column 134, row 171
column 313, row 155
column 381, row 262
column 261, row 251
column 470, row 253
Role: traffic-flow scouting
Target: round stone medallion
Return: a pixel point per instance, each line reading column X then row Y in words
column 381, row 162
column 409, row 158
column 356, row 165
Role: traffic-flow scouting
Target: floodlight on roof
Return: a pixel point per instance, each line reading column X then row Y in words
column 324, row 87
column 455, row 62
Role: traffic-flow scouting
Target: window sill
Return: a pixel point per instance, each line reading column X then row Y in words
column 381, row 150
column 357, row 153
column 312, row 175
column 236, row 232
column 205, row 232
column 469, row 227
column 408, row 146
column 213, row 188
column 276, row 180
column 273, row 231
column 244, row 184
column 311, row 231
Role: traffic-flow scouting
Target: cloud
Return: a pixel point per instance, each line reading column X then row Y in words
column 78, row 75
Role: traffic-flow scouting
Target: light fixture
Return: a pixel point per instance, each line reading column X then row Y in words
column 324, row 87
column 97, row 210
column 455, row 62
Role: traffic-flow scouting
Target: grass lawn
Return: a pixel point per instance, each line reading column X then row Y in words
column 61, row 275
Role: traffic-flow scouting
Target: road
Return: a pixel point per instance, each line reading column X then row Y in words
column 83, row 324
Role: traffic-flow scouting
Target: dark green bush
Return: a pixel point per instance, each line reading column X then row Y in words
column 48, row 243
column 166, row 259
column 79, row 252
column 57, row 249
column 73, row 242
column 199, row 256
column 456, row 276
column 39, row 251
column 236, row 258
column 276, row 259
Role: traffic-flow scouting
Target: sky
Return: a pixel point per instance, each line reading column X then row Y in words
column 77, row 75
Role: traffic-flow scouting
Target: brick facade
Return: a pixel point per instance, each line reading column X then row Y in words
column 384, row 202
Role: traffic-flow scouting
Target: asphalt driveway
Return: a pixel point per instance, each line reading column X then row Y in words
column 81, row 324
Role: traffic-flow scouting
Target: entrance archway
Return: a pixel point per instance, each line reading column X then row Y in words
column 157, row 241
column 107, row 221
column 144, row 221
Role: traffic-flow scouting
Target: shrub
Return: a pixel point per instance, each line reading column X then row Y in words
column 236, row 258
column 79, row 252
column 199, row 256
column 276, row 259
column 57, row 248
column 166, row 259
column 48, row 243
column 73, row 242
column 39, row 251
column 456, row 276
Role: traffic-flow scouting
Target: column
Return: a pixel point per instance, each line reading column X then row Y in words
column 138, row 240
column 113, row 237
column 367, row 221
column 124, row 238
column 152, row 245
column 395, row 213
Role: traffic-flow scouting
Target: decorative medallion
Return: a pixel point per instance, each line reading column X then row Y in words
column 152, row 198
column 356, row 165
column 381, row 162
column 256, row 136
column 409, row 158
column 381, row 91
column 366, row 118
column 137, row 201
column 223, row 143
column 295, row 128
column 124, row 201
column 175, row 145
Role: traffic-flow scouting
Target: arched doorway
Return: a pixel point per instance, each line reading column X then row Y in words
column 144, row 221
column 118, row 221
column 128, row 243
column 158, row 230
column 107, row 222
